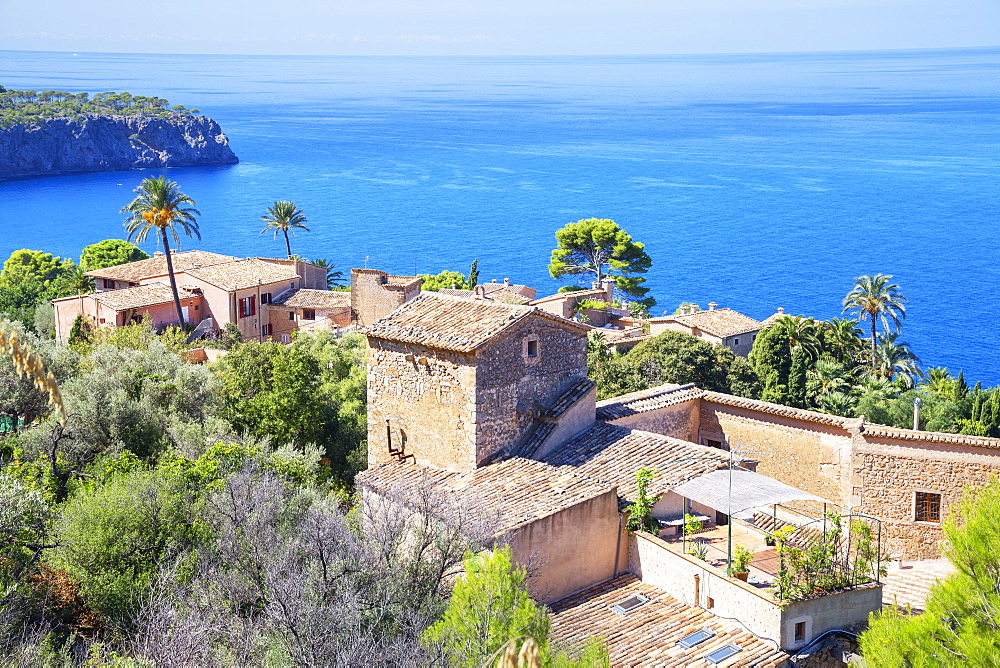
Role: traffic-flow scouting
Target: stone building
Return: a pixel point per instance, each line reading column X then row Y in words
column 454, row 382
column 723, row 326
column 306, row 310
column 908, row 479
column 487, row 405
column 375, row 294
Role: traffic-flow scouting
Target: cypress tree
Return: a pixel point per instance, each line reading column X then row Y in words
column 771, row 358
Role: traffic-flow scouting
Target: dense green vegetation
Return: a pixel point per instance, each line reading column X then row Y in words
column 826, row 366
column 961, row 626
column 25, row 107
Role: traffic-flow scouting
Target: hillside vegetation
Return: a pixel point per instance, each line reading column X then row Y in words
column 28, row 106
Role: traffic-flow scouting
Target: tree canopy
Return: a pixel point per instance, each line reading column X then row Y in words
column 30, row 106
column 596, row 248
column 110, row 253
column 445, row 280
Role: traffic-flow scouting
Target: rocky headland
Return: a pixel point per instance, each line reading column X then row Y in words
column 107, row 142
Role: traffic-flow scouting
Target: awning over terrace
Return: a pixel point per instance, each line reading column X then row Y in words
column 749, row 492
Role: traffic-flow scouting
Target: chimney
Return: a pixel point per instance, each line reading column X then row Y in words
column 506, row 281
column 780, row 310
column 157, row 253
column 494, row 280
column 711, row 306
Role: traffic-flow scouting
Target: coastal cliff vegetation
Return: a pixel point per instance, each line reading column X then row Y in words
column 29, row 106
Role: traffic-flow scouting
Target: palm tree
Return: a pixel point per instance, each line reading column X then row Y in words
column 875, row 298
column 843, row 340
column 282, row 217
column 827, row 377
column 81, row 283
column 160, row 205
column 895, row 361
column 334, row 279
column 801, row 332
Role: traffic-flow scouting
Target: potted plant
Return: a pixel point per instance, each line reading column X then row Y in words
column 741, row 562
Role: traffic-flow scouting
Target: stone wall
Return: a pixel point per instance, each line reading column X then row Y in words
column 889, row 475
column 374, row 295
column 428, row 397
column 811, row 456
column 513, row 388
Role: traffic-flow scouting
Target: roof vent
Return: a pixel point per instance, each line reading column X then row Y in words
column 723, row 653
column 630, row 604
column 696, row 638
column 157, row 253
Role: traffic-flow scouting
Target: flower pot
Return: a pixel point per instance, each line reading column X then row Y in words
column 742, row 576
column 769, row 540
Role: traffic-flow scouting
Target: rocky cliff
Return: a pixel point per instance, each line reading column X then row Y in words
column 107, row 143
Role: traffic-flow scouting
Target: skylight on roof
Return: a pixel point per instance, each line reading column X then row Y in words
column 630, row 604
column 723, row 653
column 699, row 636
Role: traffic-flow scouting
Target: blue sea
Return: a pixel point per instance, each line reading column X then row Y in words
column 755, row 181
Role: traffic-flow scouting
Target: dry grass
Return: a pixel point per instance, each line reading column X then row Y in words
column 29, row 364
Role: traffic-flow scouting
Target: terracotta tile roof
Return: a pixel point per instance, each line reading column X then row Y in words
column 575, row 294
column 157, row 266
column 648, row 635
column 721, row 322
column 452, row 292
column 451, row 323
column 778, row 409
column 879, row 430
column 315, row 299
column 499, row 292
column 642, row 401
column 138, row 297
column 520, row 490
column 241, row 274
column 613, row 454
column 769, row 320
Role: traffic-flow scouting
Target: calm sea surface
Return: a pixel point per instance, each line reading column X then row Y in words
column 755, row 181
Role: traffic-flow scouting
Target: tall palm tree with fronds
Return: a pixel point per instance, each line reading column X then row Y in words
column 876, row 298
column 160, row 206
column 895, row 361
column 801, row 332
column 842, row 337
column 283, row 217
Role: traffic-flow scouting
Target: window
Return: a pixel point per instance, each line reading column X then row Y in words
column 630, row 604
column 308, row 314
column 285, row 338
column 109, row 284
column 714, row 444
column 800, row 632
column 723, row 653
column 736, row 342
column 699, row 636
column 265, row 298
column 928, row 507
column 248, row 307
column 291, row 315
column 533, row 348
column 266, row 330
column 195, row 307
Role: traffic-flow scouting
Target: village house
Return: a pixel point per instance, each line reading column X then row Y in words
column 507, row 292
column 721, row 326
column 488, row 404
column 215, row 290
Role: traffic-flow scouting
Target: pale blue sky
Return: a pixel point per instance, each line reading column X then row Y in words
column 472, row 27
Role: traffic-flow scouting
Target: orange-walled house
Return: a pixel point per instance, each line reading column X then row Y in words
column 221, row 288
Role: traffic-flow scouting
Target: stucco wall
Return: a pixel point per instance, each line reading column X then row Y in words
column 429, row 401
column 570, row 550
column 511, row 387
column 694, row 582
column 679, row 421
